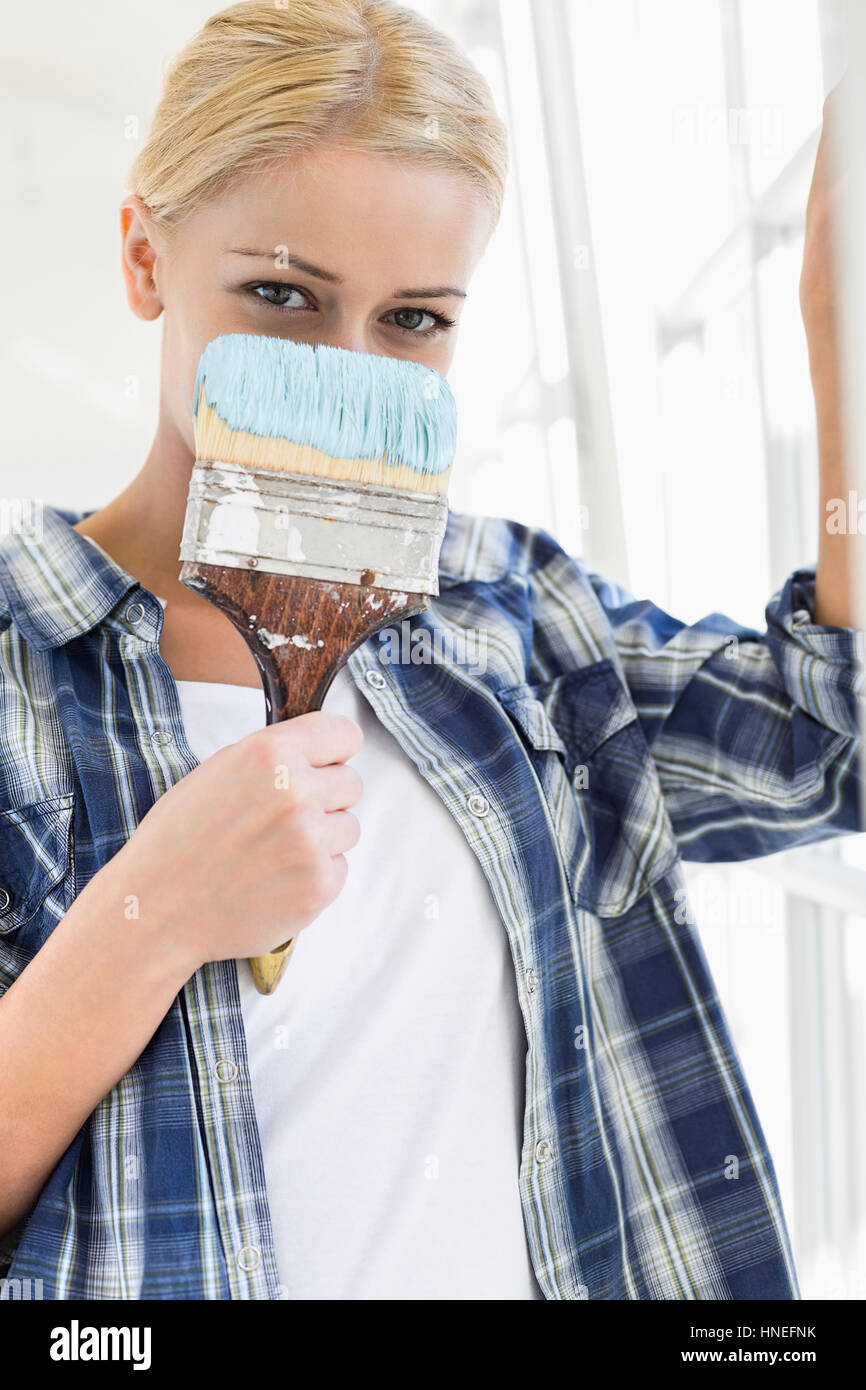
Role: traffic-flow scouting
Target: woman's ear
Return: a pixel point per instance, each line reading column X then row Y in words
column 139, row 259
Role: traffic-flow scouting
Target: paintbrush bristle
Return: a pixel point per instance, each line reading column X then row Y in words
column 273, row 404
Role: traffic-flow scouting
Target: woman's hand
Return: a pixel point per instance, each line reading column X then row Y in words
column 244, row 851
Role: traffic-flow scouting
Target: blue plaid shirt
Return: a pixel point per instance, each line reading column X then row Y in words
column 603, row 742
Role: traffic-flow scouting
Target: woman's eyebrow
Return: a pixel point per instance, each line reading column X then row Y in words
column 436, row 292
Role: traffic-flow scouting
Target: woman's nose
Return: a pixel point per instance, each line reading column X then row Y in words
column 355, row 337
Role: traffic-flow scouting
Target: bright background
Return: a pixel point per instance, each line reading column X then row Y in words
column 631, row 374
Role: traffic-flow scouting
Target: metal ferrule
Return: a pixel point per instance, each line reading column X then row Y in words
column 297, row 524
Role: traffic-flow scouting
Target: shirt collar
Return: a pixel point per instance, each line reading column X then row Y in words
column 55, row 585
column 478, row 549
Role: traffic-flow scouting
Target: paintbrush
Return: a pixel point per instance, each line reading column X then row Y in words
column 316, row 509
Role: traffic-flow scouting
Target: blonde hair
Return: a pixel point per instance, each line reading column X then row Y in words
column 264, row 80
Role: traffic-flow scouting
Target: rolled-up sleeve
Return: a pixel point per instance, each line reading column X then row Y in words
column 756, row 737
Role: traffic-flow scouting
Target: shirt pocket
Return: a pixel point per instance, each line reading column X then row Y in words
column 37, row 865
column 585, row 741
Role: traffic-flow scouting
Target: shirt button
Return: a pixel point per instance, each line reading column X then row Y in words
column 249, row 1257
column 531, row 981
column 162, row 737
column 5, row 900
column 478, row 804
column 135, row 612
column 376, row 679
column 226, row 1070
column 543, row 1150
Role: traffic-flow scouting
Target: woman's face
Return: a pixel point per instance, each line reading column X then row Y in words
column 351, row 250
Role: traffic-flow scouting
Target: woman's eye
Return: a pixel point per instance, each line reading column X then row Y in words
column 438, row 322
column 281, row 293
column 416, row 315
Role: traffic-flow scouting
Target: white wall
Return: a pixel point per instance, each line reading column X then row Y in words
column 75, row 81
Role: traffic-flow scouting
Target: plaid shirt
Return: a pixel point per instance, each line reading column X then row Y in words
column 603, row 742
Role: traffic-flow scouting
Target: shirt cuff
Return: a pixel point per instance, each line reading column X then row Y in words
column 821, row 665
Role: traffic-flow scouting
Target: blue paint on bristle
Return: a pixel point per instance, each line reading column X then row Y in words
column 348, row 404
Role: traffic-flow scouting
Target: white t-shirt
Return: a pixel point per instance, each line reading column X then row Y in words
column 388, row 1067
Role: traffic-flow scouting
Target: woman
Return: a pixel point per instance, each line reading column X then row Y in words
column 496, row 1066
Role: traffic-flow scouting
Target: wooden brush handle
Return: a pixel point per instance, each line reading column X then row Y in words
column 322, row 623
